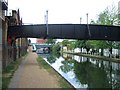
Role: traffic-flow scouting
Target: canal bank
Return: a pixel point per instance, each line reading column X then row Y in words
column 63, row 83
column 84, row 72
column 95, row 57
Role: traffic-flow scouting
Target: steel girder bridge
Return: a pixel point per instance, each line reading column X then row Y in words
column 66, row 31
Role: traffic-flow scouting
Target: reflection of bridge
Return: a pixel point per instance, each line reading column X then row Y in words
column 67, row 31
column 42, row 46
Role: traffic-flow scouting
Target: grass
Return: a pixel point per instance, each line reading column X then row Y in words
column 61, row 81
column 9, row 71
column 0, row 81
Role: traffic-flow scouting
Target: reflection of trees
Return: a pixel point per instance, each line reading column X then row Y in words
column 115, row 84
column 67, row 56
column 81, row 72
column 53, row 57
column 56, row 54
column 89, row 74
column 113, row 76
column 67, row 66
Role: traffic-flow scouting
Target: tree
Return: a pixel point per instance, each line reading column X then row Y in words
column 51, row 41
column 65, row 42
column 81, row 44
column 56, row 48
column 101, row 45
column 108, row 17
column 92, row 22
column 84, row 44
column 117, row 45
column 71, row 45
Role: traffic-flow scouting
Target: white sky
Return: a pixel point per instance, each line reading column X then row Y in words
column 59, row 11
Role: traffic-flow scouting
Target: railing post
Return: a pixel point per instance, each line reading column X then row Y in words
column 47, row 21
column 89, row 33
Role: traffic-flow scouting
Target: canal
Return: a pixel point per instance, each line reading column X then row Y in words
column 84, row 72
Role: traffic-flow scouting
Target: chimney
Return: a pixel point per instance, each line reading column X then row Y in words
column 14, row 12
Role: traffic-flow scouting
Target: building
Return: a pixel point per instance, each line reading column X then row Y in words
column 40, row 41
column 12, row 48
column 3, row 9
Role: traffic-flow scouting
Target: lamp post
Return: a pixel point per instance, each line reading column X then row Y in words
column 80, row 20
column 89, row 33
column 47, row 20
column 87, row 17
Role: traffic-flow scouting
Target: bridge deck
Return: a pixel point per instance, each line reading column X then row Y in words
column 67, row 31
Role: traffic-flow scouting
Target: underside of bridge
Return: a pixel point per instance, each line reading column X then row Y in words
column 66, row 31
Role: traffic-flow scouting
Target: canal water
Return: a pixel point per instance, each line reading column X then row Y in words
column 84, row 72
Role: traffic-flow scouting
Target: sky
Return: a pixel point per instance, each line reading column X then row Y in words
column 59, row 11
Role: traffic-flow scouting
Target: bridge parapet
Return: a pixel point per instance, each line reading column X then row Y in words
column 67, row 31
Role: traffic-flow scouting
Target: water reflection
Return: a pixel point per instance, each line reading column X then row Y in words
column 88, row 73
column 44, row 55
column 66, row 66
column 83, row 72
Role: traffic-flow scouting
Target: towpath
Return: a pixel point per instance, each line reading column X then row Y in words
column 30, row 75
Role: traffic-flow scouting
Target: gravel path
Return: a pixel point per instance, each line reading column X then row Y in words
column 29, row 75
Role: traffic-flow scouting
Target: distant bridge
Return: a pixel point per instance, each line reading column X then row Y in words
column 43, row 46
column 66, row 31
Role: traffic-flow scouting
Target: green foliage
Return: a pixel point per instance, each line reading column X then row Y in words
column 43, row 63
column 109, row 16
column 65, row 85
column 99, row 44
column 5, row 82
column 65, row 42
column 117, row 45
column 81, row 43
column 56, row 48
column 90, row 74
column 51, row 41
column 8, row 74
column 51, row 59
column 71, row 45
column 67, row 66
column 55, row 53
column 92, row 22
column 87, row 44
